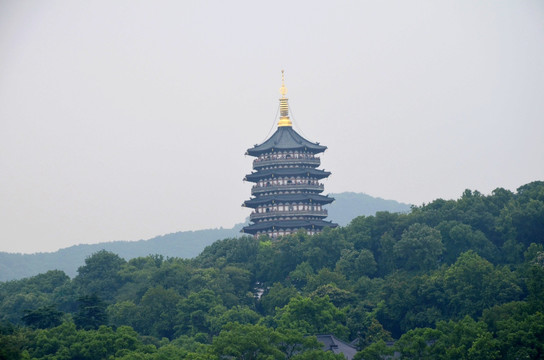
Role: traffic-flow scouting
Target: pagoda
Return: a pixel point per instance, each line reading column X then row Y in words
column 286, row 196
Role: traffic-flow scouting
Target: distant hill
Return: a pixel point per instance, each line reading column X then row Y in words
column 184, row 244
column 349, row 205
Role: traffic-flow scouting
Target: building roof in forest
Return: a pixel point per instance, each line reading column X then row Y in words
column 331, row 343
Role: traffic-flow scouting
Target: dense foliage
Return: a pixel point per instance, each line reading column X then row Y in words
column 185, row 244
column 456, row 279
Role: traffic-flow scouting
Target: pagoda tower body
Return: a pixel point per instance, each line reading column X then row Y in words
column 286, row 195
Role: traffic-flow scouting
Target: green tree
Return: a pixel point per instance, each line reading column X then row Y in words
column 318, row 355
column 195, row 312
column 374, row 333
column 459, row 238
column 126, row 313
column 399, row 297
column 312, row 316
column 277, row 259
column 359, row 232
column 294, row 342
column 276, row 297
column 100, row 275
column 416, row 344
column 535, row 282
column 43, row 317
column 385, row 256
column 300, row 276
column 12, row 341
column 472, row 284
column 521, row 338
column 67, row 342
column 485, row 347
column 172, row 274
column 324, row 249
column 527, row 214
column 460, row 338
column 158, row 312
column 32, row 293
column 240, row 252
column 239, row 314
column 326, row 277
column 354, row 264
column 375, row 351
column 419, row 248
column 247, row 342
column 339, row 297
column 91, row 313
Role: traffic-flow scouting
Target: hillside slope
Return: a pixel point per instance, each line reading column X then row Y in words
column 348, row 205
column 184, row 244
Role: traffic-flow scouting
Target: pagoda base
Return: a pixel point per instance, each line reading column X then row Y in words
column 287, row 227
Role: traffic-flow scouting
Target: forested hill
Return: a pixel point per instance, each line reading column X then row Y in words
column 184, row 244
column 452, row 279
column 348, row 205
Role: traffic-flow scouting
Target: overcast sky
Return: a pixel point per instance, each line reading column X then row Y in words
column 123, row 120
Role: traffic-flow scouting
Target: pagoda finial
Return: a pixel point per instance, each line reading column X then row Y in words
column 284, row 106
column 283, row 89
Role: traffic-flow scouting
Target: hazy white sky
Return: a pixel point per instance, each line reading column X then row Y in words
column 122, row 120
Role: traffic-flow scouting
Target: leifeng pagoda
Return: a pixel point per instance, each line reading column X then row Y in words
column 286, row 196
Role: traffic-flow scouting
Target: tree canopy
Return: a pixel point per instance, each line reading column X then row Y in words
column 452, row 279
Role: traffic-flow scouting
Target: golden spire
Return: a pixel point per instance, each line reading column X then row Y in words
column 284, row 107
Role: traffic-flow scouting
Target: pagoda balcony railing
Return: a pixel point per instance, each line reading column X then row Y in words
column 314, row 161
column 256, row 189
column 288, row 213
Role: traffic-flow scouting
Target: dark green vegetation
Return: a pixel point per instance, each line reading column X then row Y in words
column 183, row 244
column 457, row 279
